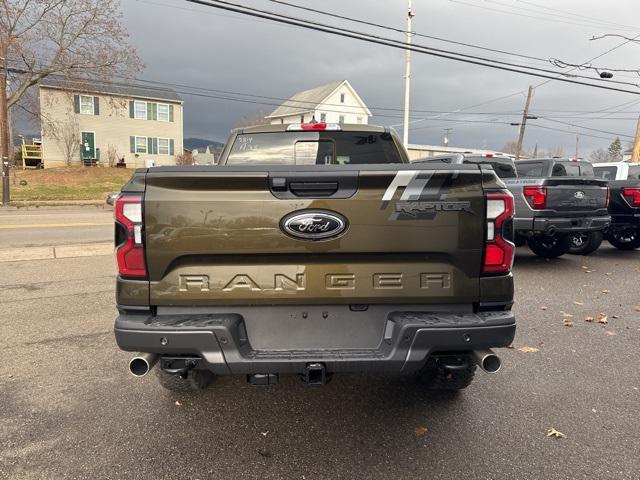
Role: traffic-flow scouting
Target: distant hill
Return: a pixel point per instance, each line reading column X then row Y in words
column 201, row 144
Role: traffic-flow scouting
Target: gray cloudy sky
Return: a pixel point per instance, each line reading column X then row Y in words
column 184, row 43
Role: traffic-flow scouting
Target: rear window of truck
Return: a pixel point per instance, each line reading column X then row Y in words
column 503, row 167
column 634, row 172
column 314, row 148
column 606, row 173
column 530, row 169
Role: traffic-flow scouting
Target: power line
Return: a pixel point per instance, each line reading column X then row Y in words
column 508, row 12
column 399, row 30
column 398, row 44
column 573, row 14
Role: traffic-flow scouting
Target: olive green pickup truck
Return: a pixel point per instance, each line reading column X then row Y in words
column 314, row 249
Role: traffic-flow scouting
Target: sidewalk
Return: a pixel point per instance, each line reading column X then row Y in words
column 58, row 251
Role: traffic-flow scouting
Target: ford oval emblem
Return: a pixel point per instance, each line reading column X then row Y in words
column 314, row 224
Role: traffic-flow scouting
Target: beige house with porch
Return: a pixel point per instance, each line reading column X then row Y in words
column 106, row 123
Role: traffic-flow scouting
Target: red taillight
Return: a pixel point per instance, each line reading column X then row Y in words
column 499, row 251
column 631, row 196
column 536, row 197
column 130, row 250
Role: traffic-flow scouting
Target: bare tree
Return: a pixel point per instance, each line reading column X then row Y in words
column 251, row 120
column 112, row 155
column 557, row 151
column 72, row 38
column 67, row 135
column 184, row 158
column 599, row 156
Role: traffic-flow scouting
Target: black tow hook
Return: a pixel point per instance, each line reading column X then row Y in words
column 178, row 365
column 315, row 374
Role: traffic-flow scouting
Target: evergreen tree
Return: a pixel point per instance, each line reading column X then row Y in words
column 615, row 150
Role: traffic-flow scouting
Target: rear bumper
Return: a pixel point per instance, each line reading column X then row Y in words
column 221, row 341
column 561, row 224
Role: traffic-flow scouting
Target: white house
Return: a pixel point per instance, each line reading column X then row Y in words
column 416, row 151
column 336, row 102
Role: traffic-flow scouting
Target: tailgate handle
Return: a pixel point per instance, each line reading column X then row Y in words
column 313, row 189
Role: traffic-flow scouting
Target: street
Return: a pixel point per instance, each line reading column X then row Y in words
column 71, row 409
column 56, row 226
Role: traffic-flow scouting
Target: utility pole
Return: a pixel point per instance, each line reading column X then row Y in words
column 577, row 143
column 407, row 77
column 635, row 155
column 4, row 130
column 445, row 139
column 523, row 124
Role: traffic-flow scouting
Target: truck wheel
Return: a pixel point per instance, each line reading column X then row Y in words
column 549, row 246
column 436, row 376
column 195, row 380
column 520, row 240
column 584, row 243
column 628, row 239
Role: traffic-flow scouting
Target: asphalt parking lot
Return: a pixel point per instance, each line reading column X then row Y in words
column 70, row 409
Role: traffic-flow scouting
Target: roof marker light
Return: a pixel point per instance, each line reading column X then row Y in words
column 299, row 127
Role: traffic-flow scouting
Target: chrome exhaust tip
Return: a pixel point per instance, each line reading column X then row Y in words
column 487, row 360
column 140, row 365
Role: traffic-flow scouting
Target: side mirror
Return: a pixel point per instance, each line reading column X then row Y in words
column 111, row 198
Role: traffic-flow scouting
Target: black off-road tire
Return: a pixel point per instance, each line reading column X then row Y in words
column 435, row 376
column 626, row 240
column 584, row 243
column 195, row 380
column 549, row 246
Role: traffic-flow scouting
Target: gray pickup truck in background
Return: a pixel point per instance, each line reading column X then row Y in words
column 560, row 206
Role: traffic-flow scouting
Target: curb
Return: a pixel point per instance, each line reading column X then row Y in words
column 54, row 252
column 27, row 204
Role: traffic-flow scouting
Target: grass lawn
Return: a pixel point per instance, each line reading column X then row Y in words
column 72, row 183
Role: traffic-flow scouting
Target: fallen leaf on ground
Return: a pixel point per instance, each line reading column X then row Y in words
column 588, row 271
column 544, row 308
column 615, row 316
column 602, row 318
column 541, row 344
column 552, row 432
column 578, row 303
column 637, row 309
column 567, row 315
column 529, row 349
column 264, row 434
column 609, row 273
column 610, row 333
column 606, row 291
column 589, row 319
column 420, row 431
column 178, row 404
column 585, row 267
column 567, row 323
column 510, row 346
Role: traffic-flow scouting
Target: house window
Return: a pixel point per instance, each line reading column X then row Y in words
column 163, row 112
column 140, row 110
column 163, row 146
column 323, row 117
column 141, row 144
column 342, row 98
column 341, row 119
column 301, row 118
column 86, row 104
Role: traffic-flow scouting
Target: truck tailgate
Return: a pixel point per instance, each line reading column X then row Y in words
column 566, row 196
column 215, row 236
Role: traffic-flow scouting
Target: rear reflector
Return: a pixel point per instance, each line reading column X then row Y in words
column 632, row 196
column 499, row 251
column 536, row 197
column 130, row 250
column 299, row 127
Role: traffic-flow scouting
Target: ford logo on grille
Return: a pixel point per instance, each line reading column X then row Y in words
column 580, row 195
column 314, row 224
